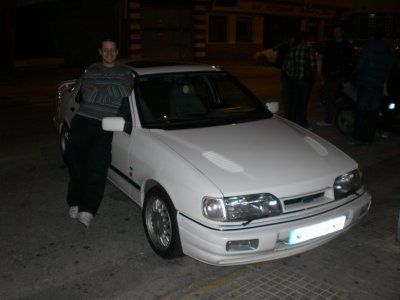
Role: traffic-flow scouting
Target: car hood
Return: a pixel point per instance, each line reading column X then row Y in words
column 271, row 155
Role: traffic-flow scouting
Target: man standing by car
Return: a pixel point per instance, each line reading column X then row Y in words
column 337, row 66
column 299, row 69
column 376, row 61
column 102, row 88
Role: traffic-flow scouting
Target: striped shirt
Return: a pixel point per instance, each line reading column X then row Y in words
column 102, row 90
column 300, row 63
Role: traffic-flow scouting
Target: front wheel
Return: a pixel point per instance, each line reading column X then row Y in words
column 345, row 120
column 160, row 225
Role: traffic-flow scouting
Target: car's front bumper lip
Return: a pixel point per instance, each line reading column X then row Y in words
column 209, row 246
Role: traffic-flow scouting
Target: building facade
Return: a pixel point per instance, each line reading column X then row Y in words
column 370, row 16
column 179, row 29
column 227, row 28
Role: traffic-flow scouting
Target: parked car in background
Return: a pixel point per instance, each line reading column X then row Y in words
column 217, row 174
column 269, row 56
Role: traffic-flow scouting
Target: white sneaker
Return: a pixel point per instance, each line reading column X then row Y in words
column 382, row 134
column 323, row 124
column 73, row 211
column 85, row 218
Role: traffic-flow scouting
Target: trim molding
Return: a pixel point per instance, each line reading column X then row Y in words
column 118, row 172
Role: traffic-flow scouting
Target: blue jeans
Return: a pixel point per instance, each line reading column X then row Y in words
column 296, row 94
column 369, row 101
column 88, row 157
column 331, row 88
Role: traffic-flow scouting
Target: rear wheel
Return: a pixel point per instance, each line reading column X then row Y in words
column 160, row 225
column 345, row 120
column 64, row 139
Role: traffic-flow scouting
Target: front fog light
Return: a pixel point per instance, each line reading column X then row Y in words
column 347, row 184
column 242, row 245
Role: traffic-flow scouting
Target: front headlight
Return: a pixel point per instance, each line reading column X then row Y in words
column 241, row 208
column 347, row 184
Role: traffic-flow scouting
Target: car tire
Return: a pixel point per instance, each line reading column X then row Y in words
column 345, row 120
column 160, row 224
column 64, row 138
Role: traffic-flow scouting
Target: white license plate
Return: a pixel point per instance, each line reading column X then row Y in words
column 313, row 231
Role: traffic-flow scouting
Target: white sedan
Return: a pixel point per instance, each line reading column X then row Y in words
column 217, row 174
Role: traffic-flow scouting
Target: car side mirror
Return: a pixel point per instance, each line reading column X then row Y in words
column 272, row 106
column 113, row 124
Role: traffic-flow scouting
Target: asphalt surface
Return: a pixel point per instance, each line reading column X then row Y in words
column 47, row 255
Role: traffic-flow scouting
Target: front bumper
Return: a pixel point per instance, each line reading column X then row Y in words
column 209, row 245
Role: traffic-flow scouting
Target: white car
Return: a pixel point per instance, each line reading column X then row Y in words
column 217, row 174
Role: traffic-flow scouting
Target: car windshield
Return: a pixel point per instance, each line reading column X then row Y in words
column 189, row 100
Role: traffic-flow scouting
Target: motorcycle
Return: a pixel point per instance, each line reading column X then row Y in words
column 346, row 109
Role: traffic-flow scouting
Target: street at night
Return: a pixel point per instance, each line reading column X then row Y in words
column 134, row 166
column 47, row 255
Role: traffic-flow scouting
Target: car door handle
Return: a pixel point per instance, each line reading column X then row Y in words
column 72, row 109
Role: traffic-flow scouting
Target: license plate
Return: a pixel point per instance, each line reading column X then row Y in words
column 313, row 231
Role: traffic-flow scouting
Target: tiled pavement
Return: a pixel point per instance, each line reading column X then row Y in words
column 362, row 264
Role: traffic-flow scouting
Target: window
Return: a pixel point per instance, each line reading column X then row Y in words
column 217, row 28
column 188, row 100
column 226, row 3
column 243, row 30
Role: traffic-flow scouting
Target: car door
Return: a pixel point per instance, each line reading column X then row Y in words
column 121, row 170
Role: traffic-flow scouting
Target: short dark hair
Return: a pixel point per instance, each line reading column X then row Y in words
column 340, row 25
column 107, row 39
column 299, row 37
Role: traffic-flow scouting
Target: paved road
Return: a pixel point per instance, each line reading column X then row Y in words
column 46, row 255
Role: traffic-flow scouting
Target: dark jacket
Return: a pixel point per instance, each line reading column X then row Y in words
column 376, row 61
column 338, row 60
column 393, row 81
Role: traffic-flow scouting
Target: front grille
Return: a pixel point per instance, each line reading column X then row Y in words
column 305, row 202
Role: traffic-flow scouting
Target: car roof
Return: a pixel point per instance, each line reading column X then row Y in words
column 154, row 67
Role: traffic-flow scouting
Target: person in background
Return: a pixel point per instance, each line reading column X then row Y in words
column 101, row 88
column 375, row 62
column 337, row 67
column 299, row 70
column 393, row 80
column 282, row 52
